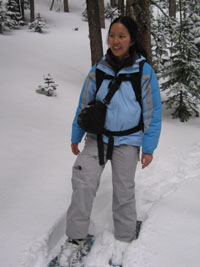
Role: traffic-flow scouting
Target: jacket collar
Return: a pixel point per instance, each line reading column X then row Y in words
column 116, row 64
column 105, row 66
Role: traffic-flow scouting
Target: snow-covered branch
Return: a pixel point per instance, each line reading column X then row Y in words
column 153, row 2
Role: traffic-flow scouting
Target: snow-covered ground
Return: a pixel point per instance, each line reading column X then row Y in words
column 36, row 160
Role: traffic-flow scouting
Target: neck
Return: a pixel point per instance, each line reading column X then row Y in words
column 119, row 62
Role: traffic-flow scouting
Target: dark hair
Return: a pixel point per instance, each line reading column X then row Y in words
column 132, row 28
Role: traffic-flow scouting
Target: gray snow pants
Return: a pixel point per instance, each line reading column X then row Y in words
column 85, row 182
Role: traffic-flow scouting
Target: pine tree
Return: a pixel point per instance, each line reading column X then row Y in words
column 2, row 14
column 195, row 17
column 38, row 24
column 183, row 70
column 159, row 32
column 13, row 18
column 49, row 86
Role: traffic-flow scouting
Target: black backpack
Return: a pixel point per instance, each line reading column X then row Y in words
column 92, row 118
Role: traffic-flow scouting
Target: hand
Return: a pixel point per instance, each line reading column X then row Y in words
column 75, row 149
column 146, row 159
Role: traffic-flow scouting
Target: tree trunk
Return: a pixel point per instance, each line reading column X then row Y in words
column 66, row 6
column 139, row 11
column 17, row 2
column 172, row 8
column 32, row 10
column 94, row 30
column 112, row 3
column 52, row 3
column 129, row 8
column 181, row 25
column 20, row 4
column 101, row 13
column 121, row 7
column 22, row 10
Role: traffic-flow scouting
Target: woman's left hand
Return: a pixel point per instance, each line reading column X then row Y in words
column 146, row 159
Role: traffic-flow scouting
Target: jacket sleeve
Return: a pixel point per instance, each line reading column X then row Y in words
column 152, row 109
column 86, row 96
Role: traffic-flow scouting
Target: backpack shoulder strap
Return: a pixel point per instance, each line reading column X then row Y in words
column 100, row 76
column 136, row 83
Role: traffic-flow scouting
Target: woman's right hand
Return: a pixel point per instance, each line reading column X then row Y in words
column 75, row 149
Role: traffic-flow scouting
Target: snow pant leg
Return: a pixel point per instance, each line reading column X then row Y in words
column 86, row 174
column 124, row 162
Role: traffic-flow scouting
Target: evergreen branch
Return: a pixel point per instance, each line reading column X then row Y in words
column 171, row 19
column 159, row 7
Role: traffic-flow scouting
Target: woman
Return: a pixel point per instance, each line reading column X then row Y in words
column 123, row 112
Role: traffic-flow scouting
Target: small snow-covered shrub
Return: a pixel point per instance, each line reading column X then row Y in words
column 49, row 86
column 38, row 24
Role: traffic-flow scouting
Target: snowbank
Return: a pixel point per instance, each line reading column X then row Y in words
column 35, row 158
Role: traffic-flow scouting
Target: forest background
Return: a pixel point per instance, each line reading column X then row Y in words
column 169, row 31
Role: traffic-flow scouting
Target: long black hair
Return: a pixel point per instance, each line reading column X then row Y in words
column 132, row 28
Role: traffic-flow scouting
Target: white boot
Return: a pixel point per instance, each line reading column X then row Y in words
column 68, row 251
column 73, row 250
column 119, row 249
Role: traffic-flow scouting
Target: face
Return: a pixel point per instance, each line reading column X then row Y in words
column 119, row 40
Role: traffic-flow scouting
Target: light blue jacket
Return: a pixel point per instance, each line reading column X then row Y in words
column 124, row 111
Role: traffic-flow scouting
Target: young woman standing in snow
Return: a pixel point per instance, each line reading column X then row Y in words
column 123, row 112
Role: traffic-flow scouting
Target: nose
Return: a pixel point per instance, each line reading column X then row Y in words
column 116, row 40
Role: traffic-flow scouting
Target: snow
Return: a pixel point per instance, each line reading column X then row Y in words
column 36, row 159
